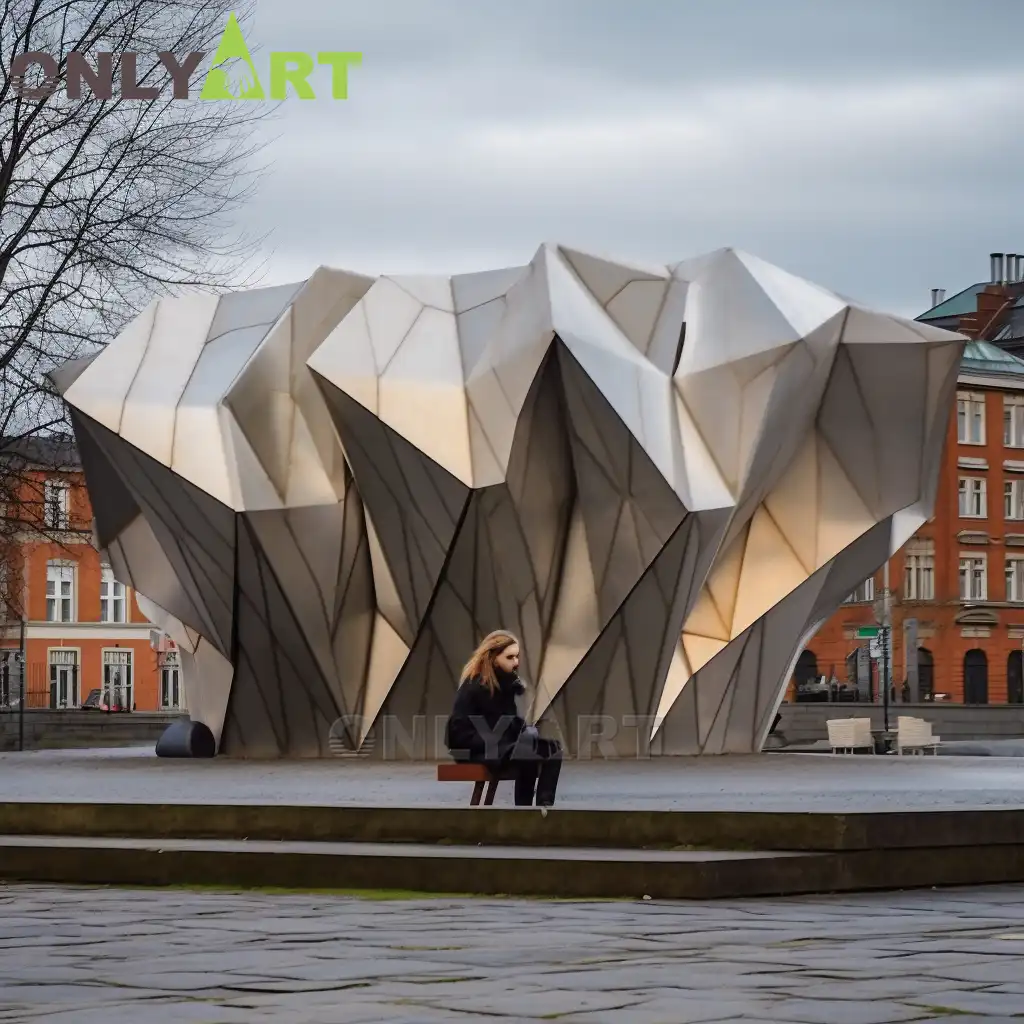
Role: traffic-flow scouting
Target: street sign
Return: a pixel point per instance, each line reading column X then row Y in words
column 866, row 631
column 875, row 647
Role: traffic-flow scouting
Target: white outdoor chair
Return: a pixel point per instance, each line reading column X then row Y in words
column 915, row 736
column 848, row 735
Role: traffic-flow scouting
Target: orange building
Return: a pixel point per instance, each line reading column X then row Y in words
column 82, row 630
column 957, row 587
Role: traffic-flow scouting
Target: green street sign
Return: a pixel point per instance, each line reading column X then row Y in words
column 868, row 631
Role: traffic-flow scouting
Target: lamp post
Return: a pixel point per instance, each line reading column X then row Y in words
column 21, row 694
column 886, row 644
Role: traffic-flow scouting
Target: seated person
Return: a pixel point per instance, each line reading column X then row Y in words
column 485, row 727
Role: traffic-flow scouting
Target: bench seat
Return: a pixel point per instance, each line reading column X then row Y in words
column 478, row 774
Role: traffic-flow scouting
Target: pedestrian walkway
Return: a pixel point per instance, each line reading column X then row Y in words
column 766, row 782
column 102, row 956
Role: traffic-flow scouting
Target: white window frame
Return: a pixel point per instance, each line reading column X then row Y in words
column 112, row 596
column 171, row 668
column 57, row 573
column 106, row 692
column 864, row 594
column 973, row 577
column 970, row 417
column 972, row 497
column 1013, row 499
column 56, row 504
column 919, row 570
column 1013, row 421
column 1015, row 579
column 76, row 675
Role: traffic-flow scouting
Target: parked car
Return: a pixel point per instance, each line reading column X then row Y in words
column 99, row 701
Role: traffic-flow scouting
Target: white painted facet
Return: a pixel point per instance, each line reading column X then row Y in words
column 175, row 344
column 390, row 312
column 428, row 290
column 100, row 391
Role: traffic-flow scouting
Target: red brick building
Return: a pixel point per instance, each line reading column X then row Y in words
column 83, row 630
column 958, row 585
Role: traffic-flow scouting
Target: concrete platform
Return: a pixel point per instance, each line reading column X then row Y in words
column 687, row 828
column 768, row 782
column 490, row 870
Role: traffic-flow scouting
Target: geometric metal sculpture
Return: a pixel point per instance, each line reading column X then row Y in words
column 663, row 479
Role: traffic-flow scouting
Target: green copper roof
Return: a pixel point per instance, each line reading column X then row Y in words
column 963, row 302
column 956, row 305
column 983, row 357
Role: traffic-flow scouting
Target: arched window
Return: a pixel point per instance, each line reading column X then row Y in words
column 1015, row 678
column 975, row 677
column 925, row 673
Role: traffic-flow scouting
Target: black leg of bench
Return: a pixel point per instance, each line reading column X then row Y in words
column 478, row 788
column 492, row 788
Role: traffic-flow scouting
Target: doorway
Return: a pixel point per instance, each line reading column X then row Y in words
column 925, row 674
column 1015, row 678
column 170, row 683
column 63, row 679
column 975, row 677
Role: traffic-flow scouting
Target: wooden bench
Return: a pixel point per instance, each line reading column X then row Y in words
column 478, row 774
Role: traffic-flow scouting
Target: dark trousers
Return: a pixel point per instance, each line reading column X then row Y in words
column 537, row 763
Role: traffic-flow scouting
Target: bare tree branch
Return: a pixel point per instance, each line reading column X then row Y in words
column 106, row 204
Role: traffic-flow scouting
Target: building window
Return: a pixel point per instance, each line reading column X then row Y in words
column 1015, row 579
column 113, row 601
column 170, row 682
column 973, row 504
column 973, row 578
column 117, row 679
column 970, row 417
column 56, row 505
column 1013, row 421
column 919, row 570
column 60, row 592
column 63, row 678
column 864, row 593
column 1013, row 499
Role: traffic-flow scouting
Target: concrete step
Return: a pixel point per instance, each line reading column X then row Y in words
column 510, row 826
column 495, row 870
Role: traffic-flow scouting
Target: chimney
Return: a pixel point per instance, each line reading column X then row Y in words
column 1011, row 268
column 996, row 263
column 938, row 295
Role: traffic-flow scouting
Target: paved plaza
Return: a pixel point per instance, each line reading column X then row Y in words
column 765, row 782
column 105, row 956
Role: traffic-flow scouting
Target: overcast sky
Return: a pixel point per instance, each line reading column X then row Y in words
column 874, row 146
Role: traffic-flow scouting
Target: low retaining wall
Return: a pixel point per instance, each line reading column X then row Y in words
column 45, row 729
column 805, row 723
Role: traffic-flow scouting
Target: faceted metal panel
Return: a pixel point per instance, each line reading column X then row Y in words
column 662, row 479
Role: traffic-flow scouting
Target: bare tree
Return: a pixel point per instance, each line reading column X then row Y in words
column 106, row 203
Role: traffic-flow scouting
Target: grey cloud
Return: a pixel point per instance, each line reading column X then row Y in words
column 868, row 146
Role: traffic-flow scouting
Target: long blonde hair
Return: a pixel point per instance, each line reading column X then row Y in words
column 481, row 663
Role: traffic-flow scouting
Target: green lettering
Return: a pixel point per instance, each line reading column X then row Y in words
column 339, row 63
column 232, row 48
column 282, row 74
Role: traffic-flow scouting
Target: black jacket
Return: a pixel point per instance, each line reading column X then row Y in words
column 485, row 726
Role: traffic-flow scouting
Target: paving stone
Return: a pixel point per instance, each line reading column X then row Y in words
column 257, row 957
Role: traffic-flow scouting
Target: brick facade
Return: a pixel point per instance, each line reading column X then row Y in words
column 97, row 651
column 953, row 622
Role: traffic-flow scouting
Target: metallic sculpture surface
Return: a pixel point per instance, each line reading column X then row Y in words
column 663, row 479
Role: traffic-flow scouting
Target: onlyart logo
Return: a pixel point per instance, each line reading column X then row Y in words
column 35, row 75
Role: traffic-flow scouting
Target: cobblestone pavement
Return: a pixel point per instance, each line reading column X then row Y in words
column 765, row 782
column 106, row 956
